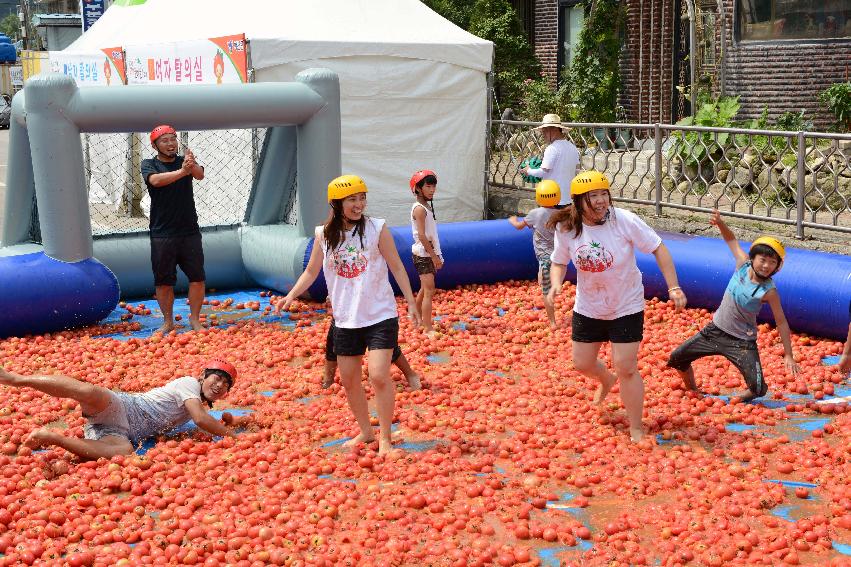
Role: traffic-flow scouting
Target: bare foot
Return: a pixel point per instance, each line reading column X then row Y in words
column 603, row 390
column 166, row 328
column 553, row 325
column 39, row 438
column 384, row 446
column 196, row 324
column 636, row 434
column 432, row 334
column 359, row 439
column 414, row 382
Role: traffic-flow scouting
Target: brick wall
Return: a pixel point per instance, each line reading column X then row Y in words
column 647, row 60
column 546, row 37
column 785, row 75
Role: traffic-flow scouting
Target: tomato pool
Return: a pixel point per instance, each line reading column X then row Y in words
column 501, row 458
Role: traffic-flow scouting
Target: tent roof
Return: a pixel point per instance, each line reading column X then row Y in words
column 285, row 31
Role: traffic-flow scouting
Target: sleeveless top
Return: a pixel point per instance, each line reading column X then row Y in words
column 357, row 279
column 417, row 249
column 741, row 304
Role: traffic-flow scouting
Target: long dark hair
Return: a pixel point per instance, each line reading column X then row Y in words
column 570, row 217
column 335, row 226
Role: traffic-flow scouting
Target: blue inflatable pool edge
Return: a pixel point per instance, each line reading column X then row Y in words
column 41, row 294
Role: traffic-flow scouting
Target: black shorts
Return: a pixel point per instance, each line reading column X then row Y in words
column 332, row 356
column 168, row 252
column 354, row 342
column 424, row 264
column 710, row 341
column 626, row 329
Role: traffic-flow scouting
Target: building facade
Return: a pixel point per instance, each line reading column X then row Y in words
column 778, row 54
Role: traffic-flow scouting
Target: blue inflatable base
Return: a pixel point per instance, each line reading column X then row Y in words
column 42, row 295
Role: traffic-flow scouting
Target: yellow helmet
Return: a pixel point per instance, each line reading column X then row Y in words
column 588, row 181
column 772, row 243
column 345, row 185
column 547, row 193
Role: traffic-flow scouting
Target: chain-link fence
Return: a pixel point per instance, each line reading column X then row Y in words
column 119, row 201
column 793, row 178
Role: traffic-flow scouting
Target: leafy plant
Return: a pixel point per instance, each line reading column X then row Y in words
column 593, row 76
column 837, row 99
column 538, row 98
column 693, row 148
column 793, row 122
column 11, row 26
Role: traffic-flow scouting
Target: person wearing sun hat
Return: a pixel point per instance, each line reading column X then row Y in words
column 561, row 158
column 118, row 422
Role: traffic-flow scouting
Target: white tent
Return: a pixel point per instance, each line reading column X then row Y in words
column 413, row 84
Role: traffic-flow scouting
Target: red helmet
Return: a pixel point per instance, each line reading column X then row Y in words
column 225, row 367
column 161, row 130
column 419, row 176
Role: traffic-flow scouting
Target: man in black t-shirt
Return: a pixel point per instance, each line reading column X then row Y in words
column 175, row 235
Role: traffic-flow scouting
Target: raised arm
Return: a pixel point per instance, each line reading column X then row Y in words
column 773, row 300
column 388, row 250
column 206, row 421
column 518, row 223
column 311, row 272
column 669, row 272
column 730, row 238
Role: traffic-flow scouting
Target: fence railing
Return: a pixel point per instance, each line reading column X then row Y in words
column 793, row 178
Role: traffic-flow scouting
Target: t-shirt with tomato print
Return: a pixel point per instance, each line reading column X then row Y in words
column 608, row 282
column 356, row 276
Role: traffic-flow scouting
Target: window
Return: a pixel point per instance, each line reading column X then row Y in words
column 571, row 15
column 525, row 13
column 793, row 19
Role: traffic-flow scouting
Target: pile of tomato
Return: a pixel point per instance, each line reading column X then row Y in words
column 508, row 462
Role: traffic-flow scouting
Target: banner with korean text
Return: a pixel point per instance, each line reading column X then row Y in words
column 210, row 61
column 102, row 69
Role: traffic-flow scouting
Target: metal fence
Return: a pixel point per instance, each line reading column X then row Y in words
column 793, row 178
column 119, row 201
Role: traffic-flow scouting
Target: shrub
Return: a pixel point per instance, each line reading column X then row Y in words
column 837, row 99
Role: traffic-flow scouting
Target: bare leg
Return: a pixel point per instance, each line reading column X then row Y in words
column 88, row 449
column 350, row 377
column 196, row 299
column 687, row 376
column 328, row 373
column 585, row 361
column 165, row 299
column 424, row 304
column 412, row 377
column 385, row 395
column 625, row 360
column 93, row 399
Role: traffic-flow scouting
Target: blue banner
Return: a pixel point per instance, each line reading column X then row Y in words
column 92, row 10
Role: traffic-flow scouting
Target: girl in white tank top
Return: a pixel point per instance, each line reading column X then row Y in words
column 426, row 248
column 354, row 252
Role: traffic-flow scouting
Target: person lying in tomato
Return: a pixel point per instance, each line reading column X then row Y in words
column 117, row 422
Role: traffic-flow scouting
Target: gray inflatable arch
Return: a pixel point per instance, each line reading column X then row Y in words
column 72, row 279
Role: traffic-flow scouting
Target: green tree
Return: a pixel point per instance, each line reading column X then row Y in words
column 593, row 76
column 11, row 26
column 497, row 21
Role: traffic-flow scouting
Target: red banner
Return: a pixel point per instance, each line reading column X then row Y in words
column 234, row 48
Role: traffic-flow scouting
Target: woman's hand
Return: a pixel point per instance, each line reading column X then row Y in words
column 715, row 219
column 283, row 304
column 678, row 296
column 438, row 261
column 791, row 365
column 554, row 291
column 414, row 314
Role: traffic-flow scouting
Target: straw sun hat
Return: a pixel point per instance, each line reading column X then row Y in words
column 551, row 121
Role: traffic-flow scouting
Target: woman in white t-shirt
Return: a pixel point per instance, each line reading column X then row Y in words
column 354, row 251
column 601, row 241
column 117, row 422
